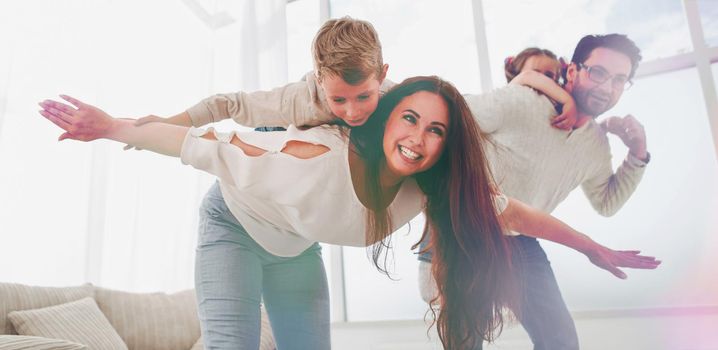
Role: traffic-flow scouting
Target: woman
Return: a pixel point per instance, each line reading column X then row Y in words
column 288, row 190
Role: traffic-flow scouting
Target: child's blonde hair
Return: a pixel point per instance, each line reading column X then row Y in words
column 514, row 64
column 348, row 48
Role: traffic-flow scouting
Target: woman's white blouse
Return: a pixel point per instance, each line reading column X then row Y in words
column 286, row 203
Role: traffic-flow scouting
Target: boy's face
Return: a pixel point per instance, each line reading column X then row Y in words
column 351, row 103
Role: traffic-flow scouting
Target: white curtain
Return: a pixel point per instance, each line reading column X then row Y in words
column 72, row 212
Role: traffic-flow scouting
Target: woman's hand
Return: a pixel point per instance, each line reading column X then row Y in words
column 82, row 122
column 85, row 122
column 611, row 260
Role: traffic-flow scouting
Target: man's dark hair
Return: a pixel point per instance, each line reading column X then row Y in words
column 617, row 42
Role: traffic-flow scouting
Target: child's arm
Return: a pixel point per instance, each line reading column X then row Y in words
column 181, row 119
column 522, row 218
column 296, row 103
column 545, row 85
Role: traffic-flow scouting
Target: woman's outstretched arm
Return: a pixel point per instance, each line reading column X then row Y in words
column 84, row 122
column 524, row 219
column 230, row 158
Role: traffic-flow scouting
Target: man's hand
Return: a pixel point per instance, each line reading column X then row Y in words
column 630, row 131
column 82, row 122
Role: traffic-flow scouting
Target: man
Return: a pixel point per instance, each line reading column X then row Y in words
column 540, row 165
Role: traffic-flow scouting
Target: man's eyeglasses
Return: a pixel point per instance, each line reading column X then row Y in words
column 599, row 75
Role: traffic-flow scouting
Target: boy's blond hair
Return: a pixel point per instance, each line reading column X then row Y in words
column 348, row 48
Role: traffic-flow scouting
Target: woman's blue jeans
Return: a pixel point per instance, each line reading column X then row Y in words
column 543, row 313
column 233, row 274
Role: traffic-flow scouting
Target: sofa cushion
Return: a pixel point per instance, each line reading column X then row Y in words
column 79, row 321
column 22, row 342
column 152, row 321
column 22, row 297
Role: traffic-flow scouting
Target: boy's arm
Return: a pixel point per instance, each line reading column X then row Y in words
column 522, row 218
column 550, row 88
column 181, row 119
column 296, row 103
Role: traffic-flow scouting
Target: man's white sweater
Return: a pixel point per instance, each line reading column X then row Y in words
column 539, row 164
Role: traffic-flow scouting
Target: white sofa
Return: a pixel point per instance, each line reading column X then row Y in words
column 66, row 318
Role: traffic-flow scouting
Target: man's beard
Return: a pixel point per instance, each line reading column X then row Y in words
column 591, row 101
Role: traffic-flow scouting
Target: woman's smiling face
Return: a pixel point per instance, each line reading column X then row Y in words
column 415, row 133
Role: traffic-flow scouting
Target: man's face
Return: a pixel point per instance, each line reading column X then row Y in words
column 594, row 98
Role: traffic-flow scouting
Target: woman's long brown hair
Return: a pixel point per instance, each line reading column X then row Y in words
column 471, row 257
